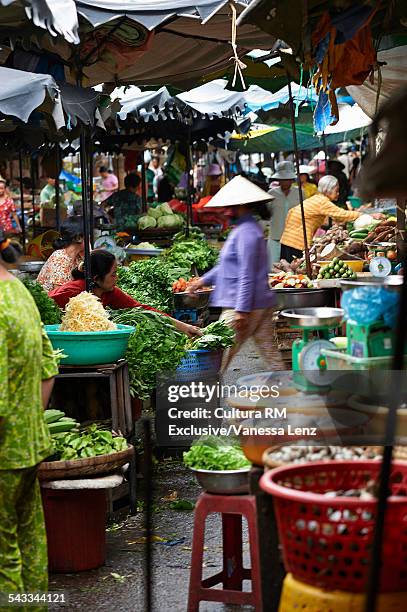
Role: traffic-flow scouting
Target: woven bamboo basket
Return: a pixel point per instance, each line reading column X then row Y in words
column 89, row 466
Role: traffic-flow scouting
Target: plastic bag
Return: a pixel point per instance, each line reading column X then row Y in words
column 365, row 305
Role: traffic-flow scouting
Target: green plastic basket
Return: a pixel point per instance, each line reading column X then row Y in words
column 355, row 201
column 90, row 348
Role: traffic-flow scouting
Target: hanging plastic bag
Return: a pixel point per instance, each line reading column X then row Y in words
column 365, row 305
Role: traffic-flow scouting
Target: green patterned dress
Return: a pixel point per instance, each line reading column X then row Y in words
column 26, row 358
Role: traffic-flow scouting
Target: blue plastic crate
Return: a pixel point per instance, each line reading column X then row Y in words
column 196, row 363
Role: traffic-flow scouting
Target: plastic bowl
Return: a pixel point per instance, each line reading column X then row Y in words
column 90, row 348
column 355, row 264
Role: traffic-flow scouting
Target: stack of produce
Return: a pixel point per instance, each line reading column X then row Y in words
column 213, row 453
column 192, row 252
column 287, row 280
column 303, row 454
column 58, row 423
column 90, row 442
column 160, row 217
column 336, row 269
column 50, row 313
column 336, row 235
column 84, row 313
column 215, row 336
column 384, row 231
column 181, row 285
column 284, row 266
column 150, row 281
column 155, row 346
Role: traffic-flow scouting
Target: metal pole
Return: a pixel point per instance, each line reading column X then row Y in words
column 189, row 190
column 401, row 228
column 325, row 152
column 85, row 207
column 91, row 217
column 33, row 173
column 143, row 184
column 20, row 163
column 148, row 479
column 396, row 398
column 297, row 165
column 58, row 190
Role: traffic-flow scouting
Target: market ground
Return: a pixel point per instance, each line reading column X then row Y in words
column 119, row 584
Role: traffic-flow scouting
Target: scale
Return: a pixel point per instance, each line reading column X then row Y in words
column 375, row 339
column 309, row 365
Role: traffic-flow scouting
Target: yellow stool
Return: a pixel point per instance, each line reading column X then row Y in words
column 301, row 597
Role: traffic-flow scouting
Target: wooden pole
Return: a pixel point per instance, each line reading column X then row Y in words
column 33, row 177
column 401, row 229
column 297, row 165
column 20, row 164
column 85, row 207
column 91, row 217
column 143, row 184
column 58, row 190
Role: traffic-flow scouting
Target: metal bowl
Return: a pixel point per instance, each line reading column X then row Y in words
column 314, row 317
column 33, row 267
column 301, row 298
column 223, row 482
column 393, row 282
column 199, row 299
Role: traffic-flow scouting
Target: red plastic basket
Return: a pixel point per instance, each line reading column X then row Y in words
column 327, row 541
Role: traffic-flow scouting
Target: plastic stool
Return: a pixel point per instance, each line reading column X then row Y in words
column 302, row 597
column 232, row 508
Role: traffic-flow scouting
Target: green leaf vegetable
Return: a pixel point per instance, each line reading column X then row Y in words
column 88, row 443
column 192, row 252
column 50, row 313
column 150, row 281
column 215, row 454
column 215, row 336
column 155, row 346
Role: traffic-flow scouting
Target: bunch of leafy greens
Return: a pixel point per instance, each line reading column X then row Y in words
column 215, row 454
column 155, row 346
column 215, row 336
column 50, row 313
column 192, row 252
column 89, row 443
column 150, row 281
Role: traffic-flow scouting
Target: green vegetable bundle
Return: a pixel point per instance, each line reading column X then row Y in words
column 193, row 252
column 215, row 336
column 155, row 346
column 50, row 313
column 89, row 443
column 215, row 455
column 150, row 281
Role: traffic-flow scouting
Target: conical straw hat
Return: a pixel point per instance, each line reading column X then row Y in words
column 237, row 192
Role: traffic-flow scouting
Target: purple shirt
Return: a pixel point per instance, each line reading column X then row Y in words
column 241, row 276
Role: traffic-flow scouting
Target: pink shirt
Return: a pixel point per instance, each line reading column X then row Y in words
column 109, row 183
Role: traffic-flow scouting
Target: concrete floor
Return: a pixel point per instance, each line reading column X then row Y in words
column 120, row 585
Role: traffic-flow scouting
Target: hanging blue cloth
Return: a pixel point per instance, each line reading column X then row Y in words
column 323, row 113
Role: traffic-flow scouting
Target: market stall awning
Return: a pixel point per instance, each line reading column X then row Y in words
column 28, row 17
column 22, row 93
column 393, row 74
column 279, row 138
column 120, row 43
column 208, row 100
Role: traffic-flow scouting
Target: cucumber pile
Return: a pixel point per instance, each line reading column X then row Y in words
column 59, row 423
column 336, row 269
column 70, row 442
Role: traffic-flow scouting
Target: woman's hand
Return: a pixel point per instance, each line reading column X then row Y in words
column 197, row 283
column 189, row 330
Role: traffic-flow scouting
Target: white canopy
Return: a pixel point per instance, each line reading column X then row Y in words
column 393, row 73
